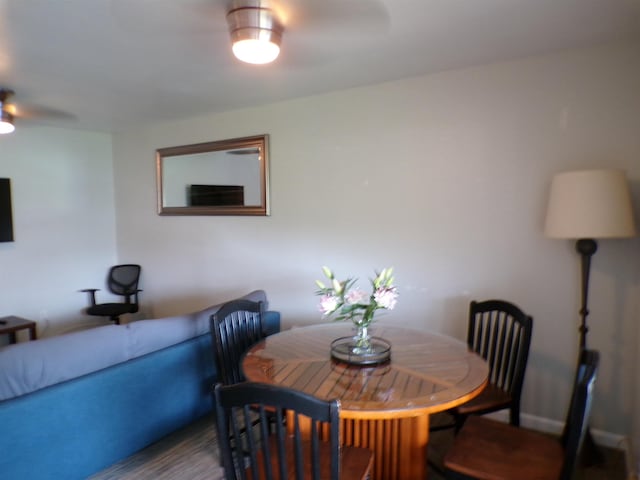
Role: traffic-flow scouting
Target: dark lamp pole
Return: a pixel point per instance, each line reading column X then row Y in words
column 586, row 247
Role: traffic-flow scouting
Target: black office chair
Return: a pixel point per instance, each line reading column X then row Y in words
column 122, row 280
column 488, row 449
column 308, row 447
column 501, row 333
column 235, row 328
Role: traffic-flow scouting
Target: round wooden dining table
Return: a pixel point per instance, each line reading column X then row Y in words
column 383, row 407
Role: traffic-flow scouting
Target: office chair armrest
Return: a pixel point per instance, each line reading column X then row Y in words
column 134, row 294
column 92, row 294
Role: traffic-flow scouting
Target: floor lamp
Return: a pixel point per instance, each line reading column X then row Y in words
column 586, row 205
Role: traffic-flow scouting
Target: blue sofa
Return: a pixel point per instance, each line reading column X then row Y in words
column 75, row 404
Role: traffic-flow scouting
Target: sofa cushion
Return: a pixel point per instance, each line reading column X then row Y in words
column 146, row 336
column 30, row 366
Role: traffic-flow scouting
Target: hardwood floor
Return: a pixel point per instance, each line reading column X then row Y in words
column 188, row 454
column 192, row 454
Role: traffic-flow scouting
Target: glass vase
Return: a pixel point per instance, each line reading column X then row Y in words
column 362, row 340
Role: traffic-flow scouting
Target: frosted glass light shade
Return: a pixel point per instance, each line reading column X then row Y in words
column 6, row 122
column 590, row 204
column 256, row 51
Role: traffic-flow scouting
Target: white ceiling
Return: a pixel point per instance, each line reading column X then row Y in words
column 109, row 64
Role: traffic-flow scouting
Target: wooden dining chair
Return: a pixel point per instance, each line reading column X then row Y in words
column 235, row 328
column 500, row 332
column 487, row 449
column 306, row 447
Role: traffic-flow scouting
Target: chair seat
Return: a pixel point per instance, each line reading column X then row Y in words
column 109, row 309
column 355, row 462
column 491, row 399
column 490, row 450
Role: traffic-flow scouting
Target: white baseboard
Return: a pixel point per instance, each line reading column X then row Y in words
column 601, row 437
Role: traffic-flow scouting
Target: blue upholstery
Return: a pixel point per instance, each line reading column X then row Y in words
column 73, row 429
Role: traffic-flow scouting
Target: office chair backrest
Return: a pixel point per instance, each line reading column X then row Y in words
column 235, row 327
column 501, row 333
column 579, row 410
column 123, row 279
column 295, row 451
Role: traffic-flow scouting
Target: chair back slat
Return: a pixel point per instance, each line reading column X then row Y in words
column 297, row 443
column 296, row 449
column 315, row 446
column 506, row 350
column 281, row 438
column 505, row 356
column 264, row 433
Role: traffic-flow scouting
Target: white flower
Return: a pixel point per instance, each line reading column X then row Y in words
column 328, row 304
column 355, row 296
column 386, row 297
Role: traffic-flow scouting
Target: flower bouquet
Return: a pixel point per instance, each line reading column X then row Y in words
column 343, row 300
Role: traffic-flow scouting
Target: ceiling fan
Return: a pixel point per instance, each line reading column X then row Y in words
column 10, row 111
column 304, row 25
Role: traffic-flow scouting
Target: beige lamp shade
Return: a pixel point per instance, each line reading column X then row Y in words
column 590, row 204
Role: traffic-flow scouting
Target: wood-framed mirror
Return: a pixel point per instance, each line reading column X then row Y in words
column 225, row 177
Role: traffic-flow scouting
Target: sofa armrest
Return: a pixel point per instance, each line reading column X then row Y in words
column 271, row 322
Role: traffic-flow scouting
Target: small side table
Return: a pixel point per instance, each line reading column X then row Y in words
column 11, row 324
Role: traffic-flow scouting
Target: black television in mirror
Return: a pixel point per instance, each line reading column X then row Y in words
column 6, row 218
column 215, row 195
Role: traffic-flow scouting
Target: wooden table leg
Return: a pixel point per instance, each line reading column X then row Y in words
column 399, row 445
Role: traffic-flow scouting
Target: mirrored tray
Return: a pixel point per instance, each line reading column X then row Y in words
column 344, row 349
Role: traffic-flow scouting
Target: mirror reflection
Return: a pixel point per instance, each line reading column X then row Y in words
column 226, row 177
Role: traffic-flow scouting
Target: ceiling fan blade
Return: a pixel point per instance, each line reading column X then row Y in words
column 30, row 112
column 174, row 18
column 5, row 95
column 349, row 16
column 209, row 16
column 349, row 23
column 36, row 112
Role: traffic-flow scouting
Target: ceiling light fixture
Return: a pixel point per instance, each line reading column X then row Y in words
column 256, row 34
column 6, row 117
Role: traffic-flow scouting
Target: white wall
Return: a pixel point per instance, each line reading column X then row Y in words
column 445, row 178
column 63, row 220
